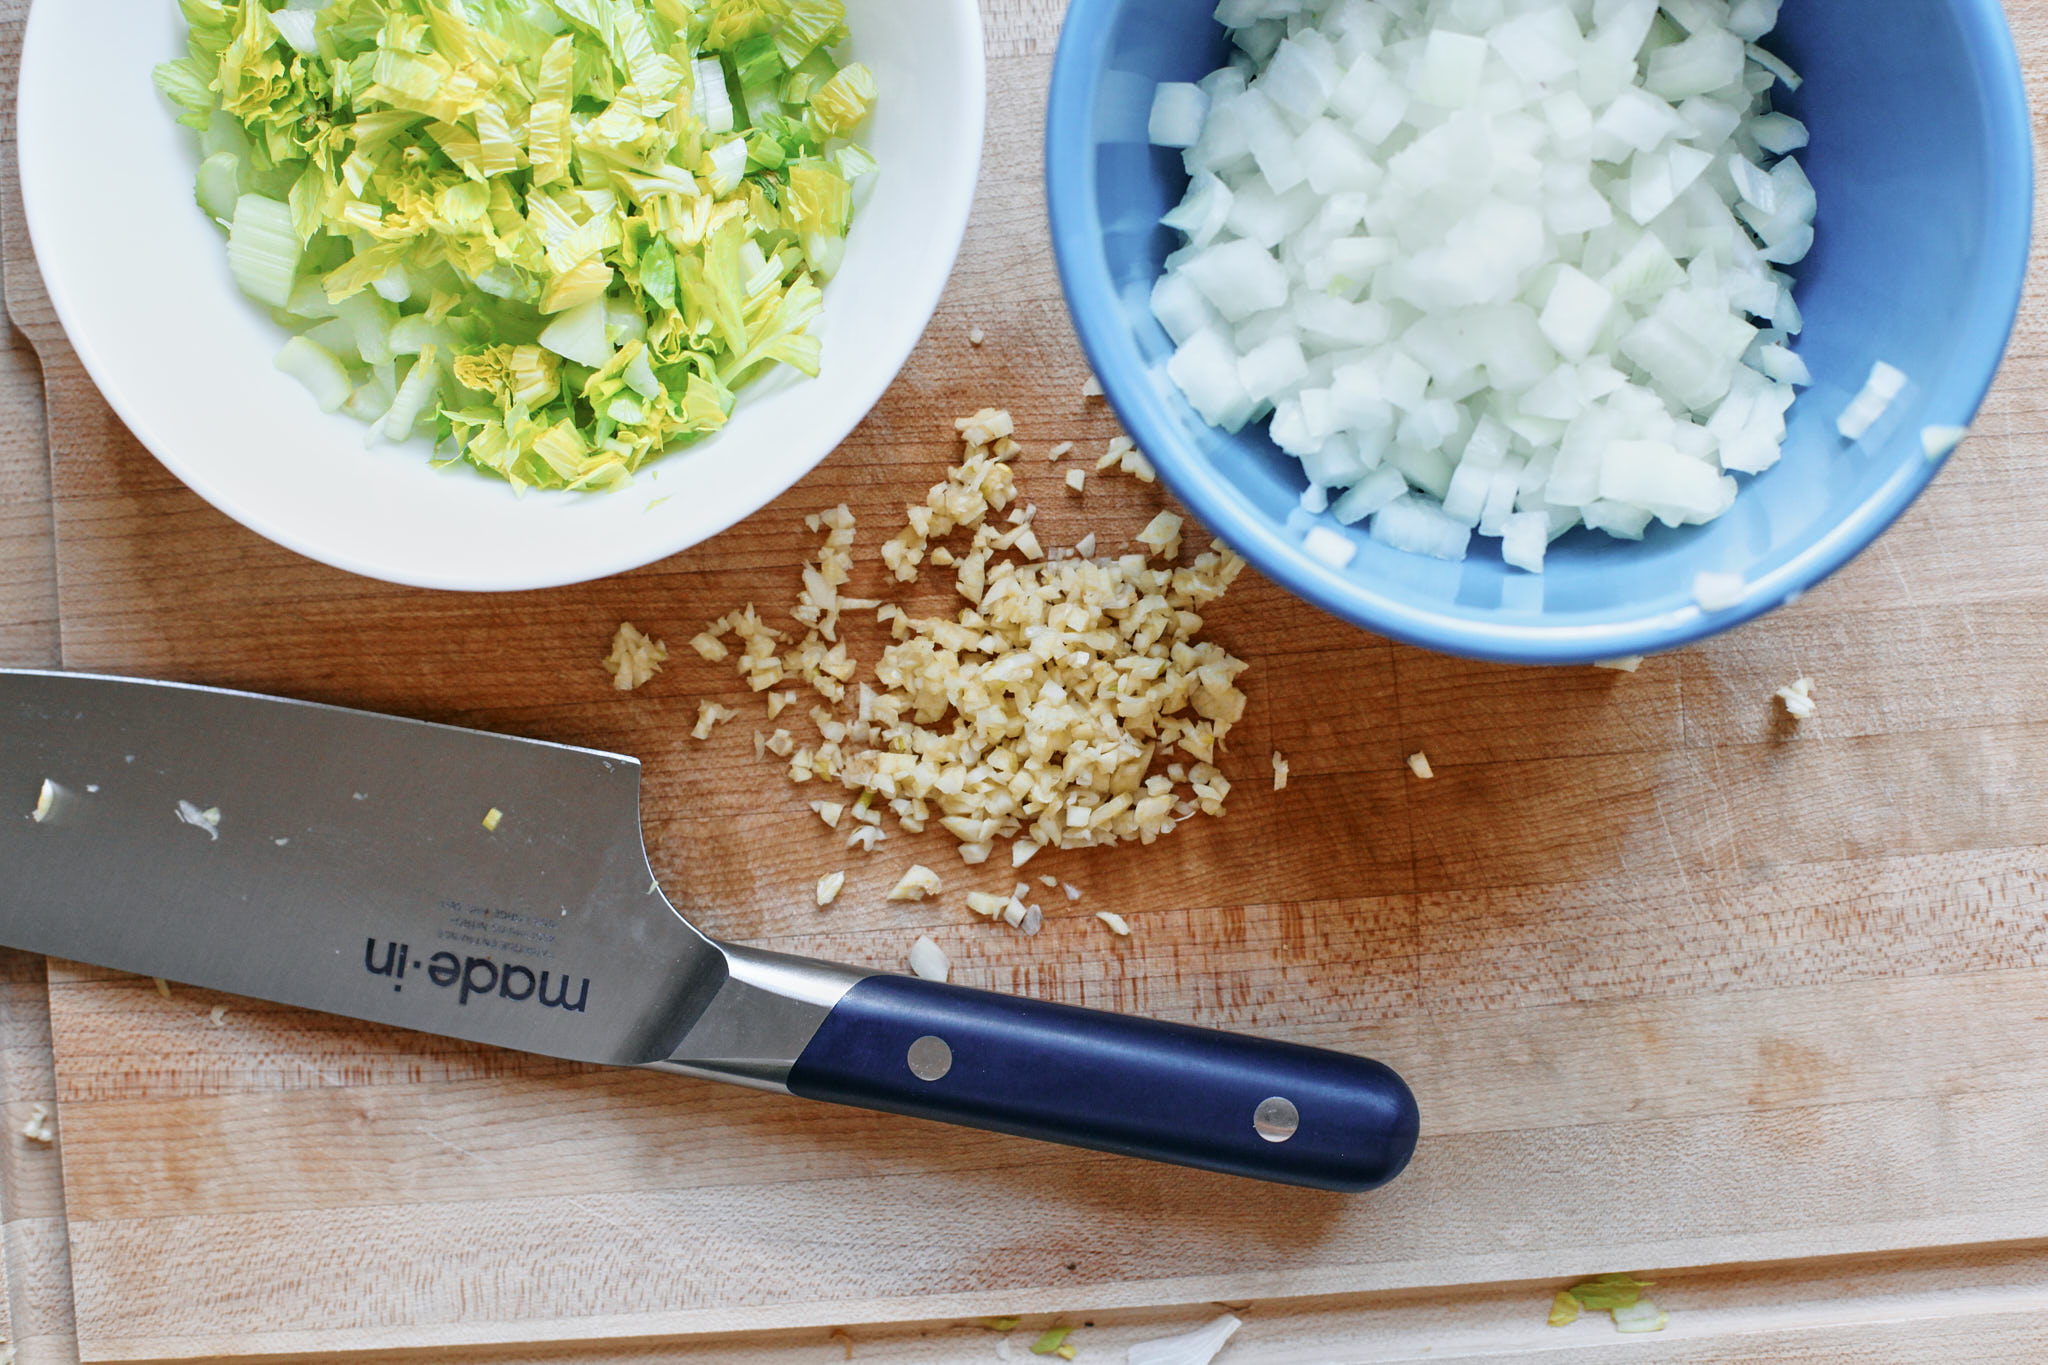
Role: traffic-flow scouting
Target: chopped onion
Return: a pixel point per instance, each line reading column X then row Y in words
column 1177, row 113
column 1419, row 525
column 1462, row 253
column 1776, row 66
column 1885, row 384
column 1370, row 494
column 1198, row 1347
column 1778, row 133
column 1782, row 364
column 1331, row 547
column 1524, row 539
column 1626, row 663
column 1718, row 591
column 1939, row 441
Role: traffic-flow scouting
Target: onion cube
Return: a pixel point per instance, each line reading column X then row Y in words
column 1708, row 60
column 1885, row 384
column 1178, row 110
column 1451, row 66
column 1420, row 527
column 1576, row 311
column 1524, row 538
column 1205, row 369
column 1331, row 547
column 1240, row 278
column 1540, row 47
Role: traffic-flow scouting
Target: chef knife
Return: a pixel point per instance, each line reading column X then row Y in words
column 342, row 861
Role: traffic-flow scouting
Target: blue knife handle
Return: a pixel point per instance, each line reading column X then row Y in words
column 1165, row 1092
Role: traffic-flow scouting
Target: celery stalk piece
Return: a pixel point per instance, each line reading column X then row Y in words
column 220, row 186
column 589, row 220
column 263, row 251
column 315, row 367
column 422, row 382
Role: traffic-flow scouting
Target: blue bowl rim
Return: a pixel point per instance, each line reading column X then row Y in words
column 1083, row 265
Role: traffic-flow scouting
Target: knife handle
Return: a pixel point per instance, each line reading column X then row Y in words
column 1166, row 1092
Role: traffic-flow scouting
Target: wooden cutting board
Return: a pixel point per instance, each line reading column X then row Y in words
column 1677, row 982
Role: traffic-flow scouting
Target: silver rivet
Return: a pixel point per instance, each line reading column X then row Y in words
column 930, row 1058
column 1276, row 1119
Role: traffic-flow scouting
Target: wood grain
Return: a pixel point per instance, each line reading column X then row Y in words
column 34, row 1264
column 35, row 1271
column 1678, row 984
column 28, row 548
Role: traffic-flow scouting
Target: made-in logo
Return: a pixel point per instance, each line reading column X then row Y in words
column 476, row 976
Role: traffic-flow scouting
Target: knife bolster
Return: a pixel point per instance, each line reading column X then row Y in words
column 761, row 1019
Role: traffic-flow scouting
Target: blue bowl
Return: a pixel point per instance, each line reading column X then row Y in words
column 1923, row 163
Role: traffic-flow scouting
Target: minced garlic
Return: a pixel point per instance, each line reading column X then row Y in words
column 1123, row 454
column 1279, row 771
column 208, row 819
column 1798, row 698
column 1162, row 536
column 1036, row 713
column 635, row 658
column 1419, row 765
column 915, row 884
column 709, row 714
column 492, row 817
column 928, row 960
column 828, row 887
column 39, row 1128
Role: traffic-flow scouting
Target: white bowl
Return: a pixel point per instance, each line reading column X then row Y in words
column 140, row 280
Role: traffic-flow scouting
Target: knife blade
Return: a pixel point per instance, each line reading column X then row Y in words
column 497, row 889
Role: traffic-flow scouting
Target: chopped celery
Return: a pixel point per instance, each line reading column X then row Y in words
column 315, row 367
column 220, row 185
column 418, row 390
column 588, row 220
column 579, row 335
column 263, row 251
